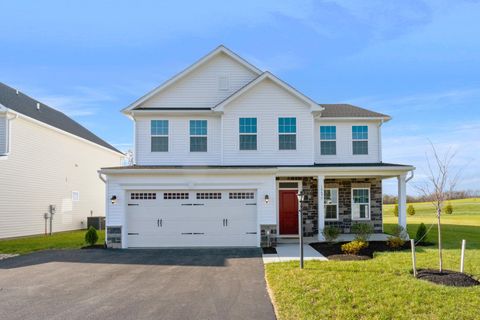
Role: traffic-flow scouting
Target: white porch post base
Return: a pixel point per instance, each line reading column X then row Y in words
column 321, row 207
column 402, row 200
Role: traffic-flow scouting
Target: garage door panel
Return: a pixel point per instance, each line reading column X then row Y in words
column 218, row 218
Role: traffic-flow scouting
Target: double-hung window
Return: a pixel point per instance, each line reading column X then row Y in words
column 360, row 203
column 287, row 133
column 248, row 133
column 328, row 143
column 159, row 135
column 330, row 199
column 198, row 135
column 360, row 139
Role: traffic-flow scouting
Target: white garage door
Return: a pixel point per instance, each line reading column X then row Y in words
column 192, row 218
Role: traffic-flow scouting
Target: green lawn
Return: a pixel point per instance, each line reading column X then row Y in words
column 383, row 288
column 60, row 240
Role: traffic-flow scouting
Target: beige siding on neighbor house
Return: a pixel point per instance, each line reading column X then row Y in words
column 43, row 168
column 200, row 88
column 344, row 142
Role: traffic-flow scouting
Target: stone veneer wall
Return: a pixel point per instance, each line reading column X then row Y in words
column 114, row 237
column 310, row 207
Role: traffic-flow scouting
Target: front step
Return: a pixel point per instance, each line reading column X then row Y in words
column 295, row 239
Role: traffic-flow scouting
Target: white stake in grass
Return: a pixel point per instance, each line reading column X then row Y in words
column 414, row 261
column 462, row 259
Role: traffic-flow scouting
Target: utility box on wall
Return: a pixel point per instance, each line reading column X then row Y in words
column 96, row 222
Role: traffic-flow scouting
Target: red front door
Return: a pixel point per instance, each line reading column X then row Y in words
column 288, row 212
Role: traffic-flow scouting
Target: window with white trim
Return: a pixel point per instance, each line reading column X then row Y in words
column 330, row 200
column 328, row 140
column 360, row 203
column 75, row 195
column 360, row 140
column 198, row 135
column 287, row 133
column 159, row 135
column 248, row 133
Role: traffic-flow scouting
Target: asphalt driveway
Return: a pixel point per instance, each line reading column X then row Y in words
column 135, row 284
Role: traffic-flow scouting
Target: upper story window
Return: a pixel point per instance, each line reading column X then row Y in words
column 360, row 139
column 330, row 198
column 328, row 137
column 159, row 133
column 360, row 203
column 248, row 133
column 198, row 135
column 287, row 133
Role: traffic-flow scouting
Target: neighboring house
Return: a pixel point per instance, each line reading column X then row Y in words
column 221, row 151
column 46, row 159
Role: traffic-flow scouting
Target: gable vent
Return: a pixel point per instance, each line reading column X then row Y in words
column 223, row 83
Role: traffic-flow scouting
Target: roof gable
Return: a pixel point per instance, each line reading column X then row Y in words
column 267, row 75
column 18, row 102
column 218, row 51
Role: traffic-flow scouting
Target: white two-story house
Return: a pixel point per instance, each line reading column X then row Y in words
column 221, row 151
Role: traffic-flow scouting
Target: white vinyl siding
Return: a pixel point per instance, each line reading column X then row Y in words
column 344, row 147
column 203, row 87
column 267, row 102
column 44, row 167
column 3, row 135
column 179, row 142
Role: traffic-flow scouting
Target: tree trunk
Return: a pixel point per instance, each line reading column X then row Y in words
column 440, row 259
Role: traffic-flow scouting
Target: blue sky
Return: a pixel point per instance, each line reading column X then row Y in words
column 418, row 61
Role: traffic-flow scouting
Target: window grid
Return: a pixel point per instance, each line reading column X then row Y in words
column 287, row 133
column 143, row 196
column 330, row 199
column 198, row 135
column 159, row 135
column 248, row 133
column 328, row 143
column 360, row 203
column 241, row 195
column 209, row 195
column 360, row 140
column 175, row 195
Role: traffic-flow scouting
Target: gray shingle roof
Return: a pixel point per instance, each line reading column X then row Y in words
column 27, row 106
column 348, row 110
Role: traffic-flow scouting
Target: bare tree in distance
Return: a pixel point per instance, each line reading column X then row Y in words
column 440, row 184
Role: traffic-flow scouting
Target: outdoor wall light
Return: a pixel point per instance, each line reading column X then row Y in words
column 301, row 196
column 267, row 198
column 113, row 199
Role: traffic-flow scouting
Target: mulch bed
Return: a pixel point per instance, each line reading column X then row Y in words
column 334, row 249
column 269, row 250
column 95, row 246
column 447, row 278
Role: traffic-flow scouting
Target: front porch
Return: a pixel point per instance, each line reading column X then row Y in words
column 330, row 201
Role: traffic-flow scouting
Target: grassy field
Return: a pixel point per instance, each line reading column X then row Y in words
column 383, row 288
column 60, row 240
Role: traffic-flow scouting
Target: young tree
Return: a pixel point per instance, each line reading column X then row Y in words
column 411, row 210
column 439, row 185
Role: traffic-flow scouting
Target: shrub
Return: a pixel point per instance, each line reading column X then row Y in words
column 354, row 247
column 399, row 232
column 330, row 233
column 421, row 235
column 362, row 231
column 395, row 242
column 395, row 210
column 91, row 237
column 449, row 209
column 411, row 210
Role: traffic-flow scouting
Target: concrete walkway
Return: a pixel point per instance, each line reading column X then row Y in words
column 290, row 252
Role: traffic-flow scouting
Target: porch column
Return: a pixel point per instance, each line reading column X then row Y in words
column 402, row 200
column 321, row 207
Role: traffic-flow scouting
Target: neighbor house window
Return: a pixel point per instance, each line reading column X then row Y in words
column 328, row 143
column 248, row 133
column 360, row 203
column 330, row 199
column 198, row 135
column 287, row 133
column 75, row 196
column 159, row 133
column 360, row 139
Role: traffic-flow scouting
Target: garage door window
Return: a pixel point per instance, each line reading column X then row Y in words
column 241, row 195
column 143, row 196
column 175, row 195
column 209, row 195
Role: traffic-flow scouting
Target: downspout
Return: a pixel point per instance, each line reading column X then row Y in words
column 411, row 176
column 380, row 140
column 101, row 177
column 8, row 135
